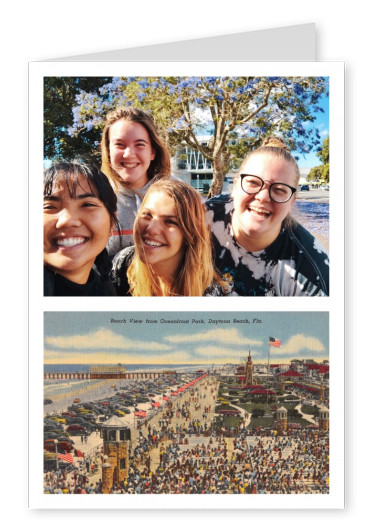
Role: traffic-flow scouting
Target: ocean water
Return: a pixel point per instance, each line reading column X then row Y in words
column 74, row 368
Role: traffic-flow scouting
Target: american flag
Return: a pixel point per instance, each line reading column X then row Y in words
column 273, row 342
column 68, row 458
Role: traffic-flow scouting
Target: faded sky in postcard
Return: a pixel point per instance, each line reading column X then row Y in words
column 184, row 337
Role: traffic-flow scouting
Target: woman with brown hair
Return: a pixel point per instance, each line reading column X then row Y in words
column 259, row 248
column 133, row 157
column 172, row 253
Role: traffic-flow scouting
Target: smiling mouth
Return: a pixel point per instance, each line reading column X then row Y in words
column 259, row 211
column 69, row 242
column 152, row 243
column 130, row 165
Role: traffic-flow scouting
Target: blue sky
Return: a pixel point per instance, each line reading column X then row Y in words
column 311, row 160
column 96, row 337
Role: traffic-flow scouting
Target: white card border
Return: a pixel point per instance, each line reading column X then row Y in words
column 333, row 304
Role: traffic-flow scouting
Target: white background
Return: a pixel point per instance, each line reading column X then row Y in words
column 44, row 29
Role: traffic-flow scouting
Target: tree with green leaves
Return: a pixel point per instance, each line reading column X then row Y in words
column 236, row 112
column 321, row 173
column 59, row 98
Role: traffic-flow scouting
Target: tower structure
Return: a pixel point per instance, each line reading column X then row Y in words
column 116, row 435
column 249, row 371
column 281, row 420
column 324, row 418
column 322, row 393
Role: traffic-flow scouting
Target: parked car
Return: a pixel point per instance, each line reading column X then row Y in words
column 304, row 188
column 61, row 420
column 53, row 434
column 75, row 428
column 62, row 446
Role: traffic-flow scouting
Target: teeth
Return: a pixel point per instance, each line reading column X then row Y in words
column 153, row 244
column 70, row 242
column 260, row 211
column 130, row 165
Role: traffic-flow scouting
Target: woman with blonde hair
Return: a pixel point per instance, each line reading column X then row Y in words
column 134, row 156
column 172, row 253
column 259, row 247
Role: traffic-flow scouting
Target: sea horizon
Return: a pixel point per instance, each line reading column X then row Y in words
column 131, row 367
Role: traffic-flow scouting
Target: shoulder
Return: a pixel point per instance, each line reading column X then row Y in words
column 214, row 290
column 218, row 201
column 312, row 255
column 308, row 243
column 48, row 282
column 123, row 257
column 220, row 208
column 120, row 265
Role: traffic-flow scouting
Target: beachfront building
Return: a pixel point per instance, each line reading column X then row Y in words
column 102, row 372
column 116, row 435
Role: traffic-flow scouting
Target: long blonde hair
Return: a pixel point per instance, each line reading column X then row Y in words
column 160, row 167
column 196, row 272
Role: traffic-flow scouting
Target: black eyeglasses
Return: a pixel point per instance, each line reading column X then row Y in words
column 278, row 192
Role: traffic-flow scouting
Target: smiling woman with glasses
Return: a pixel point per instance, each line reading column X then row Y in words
column 259, row 248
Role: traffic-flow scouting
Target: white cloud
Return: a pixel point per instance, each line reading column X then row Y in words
column 298, row 343
column 216, row 335
column 103, row 339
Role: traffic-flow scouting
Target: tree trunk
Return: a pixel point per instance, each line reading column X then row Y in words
column 220, row 167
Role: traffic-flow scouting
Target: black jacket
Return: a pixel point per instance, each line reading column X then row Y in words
column 59, row 286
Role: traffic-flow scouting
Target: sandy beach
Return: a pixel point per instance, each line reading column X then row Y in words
column 63, row 393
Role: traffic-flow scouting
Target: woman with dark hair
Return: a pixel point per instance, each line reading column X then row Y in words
column 79, row 214
column 133, row 157
column 259, row 248
column 172, row 255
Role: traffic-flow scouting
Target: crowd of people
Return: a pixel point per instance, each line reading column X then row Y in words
column 181, row 451
column 76, row 479
column 132, row 229
column 293, row 464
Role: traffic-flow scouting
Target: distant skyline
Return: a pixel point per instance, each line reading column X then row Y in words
column 111, row 337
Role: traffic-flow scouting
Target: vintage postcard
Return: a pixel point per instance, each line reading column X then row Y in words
column 204, row 405
column 189, row 403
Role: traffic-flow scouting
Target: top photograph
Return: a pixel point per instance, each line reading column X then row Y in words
column 186, row 186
